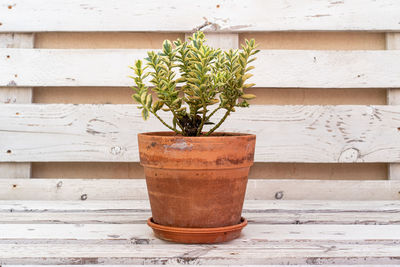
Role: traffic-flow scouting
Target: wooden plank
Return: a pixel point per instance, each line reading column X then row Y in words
column 250, row 206
column 337, row 218
column 181, row 16
column 331, row 134
column 393, row 97
column 17, row 40
column 123, row 189
column 231, row 265
column 262, row 233
column 14, row 95
column 221, row 40
column 15, row 169
column 282, row 252
column 255, row 211
column 274, row 68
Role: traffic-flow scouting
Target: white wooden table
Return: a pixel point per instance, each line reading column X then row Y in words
column 279, row 232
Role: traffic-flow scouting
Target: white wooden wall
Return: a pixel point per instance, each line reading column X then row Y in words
column 107, row 133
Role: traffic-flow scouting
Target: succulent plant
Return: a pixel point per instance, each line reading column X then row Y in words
column 193, row 81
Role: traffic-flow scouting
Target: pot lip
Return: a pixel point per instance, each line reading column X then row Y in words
column 172, row 135
column 185, row 230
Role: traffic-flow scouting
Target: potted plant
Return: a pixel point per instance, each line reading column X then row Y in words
column 196, row 178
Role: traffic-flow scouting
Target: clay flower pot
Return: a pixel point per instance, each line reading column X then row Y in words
column 196, row 185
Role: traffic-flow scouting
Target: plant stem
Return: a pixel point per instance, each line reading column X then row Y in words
column 163, row 122
column 177, row 121
column 203, row 120
column 212, row 113
column 220, row 122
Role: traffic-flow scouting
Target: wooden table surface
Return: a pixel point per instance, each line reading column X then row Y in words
column 279, row 232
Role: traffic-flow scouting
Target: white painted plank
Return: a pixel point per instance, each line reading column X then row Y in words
column 393, row 97
column 183, row 16
column 73, row 189
column 68, row 132
column 230, row 265
column 15, row 170
column 282, row 252
column 294, row 217
column 394, row 171
column 262, row 233
column 250, row 206
column 13, row 95
column 221, row 40
column 123, row 189
column 17, row 40
column 255, row 211
column 274, row 68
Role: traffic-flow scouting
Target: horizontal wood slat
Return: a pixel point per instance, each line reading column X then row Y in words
column 68, row 132
column 274, row 68
column 253, row 251
column 126, row 189
column 255, row 211
column 72, row 240
column 183, row 16
column 112, row 233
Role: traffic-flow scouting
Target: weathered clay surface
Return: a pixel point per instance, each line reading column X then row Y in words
column 196, row 181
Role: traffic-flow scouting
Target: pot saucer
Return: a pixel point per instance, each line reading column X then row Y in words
column 197, row 235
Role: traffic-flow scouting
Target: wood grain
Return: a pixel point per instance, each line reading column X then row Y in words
column 274, row 68
column 135, row 189
column 393, row 97
column 272, row 237
column 208, row 15
column 255, row 211
column 284, row 133
column 14, row 95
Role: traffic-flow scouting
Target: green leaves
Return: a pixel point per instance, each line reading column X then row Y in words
column 208, row 77
column 247, row 96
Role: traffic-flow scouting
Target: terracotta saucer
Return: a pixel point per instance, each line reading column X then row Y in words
column 197, row 235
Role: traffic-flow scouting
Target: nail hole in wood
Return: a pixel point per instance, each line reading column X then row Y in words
column 9, row 151
column 14, row 186
column 10, row 6
column 15, row 75
column 279, row 195
column 398, row 128
column 218, row 6
column 8, row 56
column 1, row 23
column 84, row 197
column 17, row 113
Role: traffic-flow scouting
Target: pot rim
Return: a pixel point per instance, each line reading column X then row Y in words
column 171, row 135
column 188, row 230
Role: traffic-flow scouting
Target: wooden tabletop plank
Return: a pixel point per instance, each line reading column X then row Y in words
column 382, row 218
column 270, row 253
column 253, row 232
column 256, row 212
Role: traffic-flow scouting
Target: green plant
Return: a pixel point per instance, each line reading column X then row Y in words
column 191, row 77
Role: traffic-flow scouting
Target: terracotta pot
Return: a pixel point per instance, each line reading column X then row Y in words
column 196, row 182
